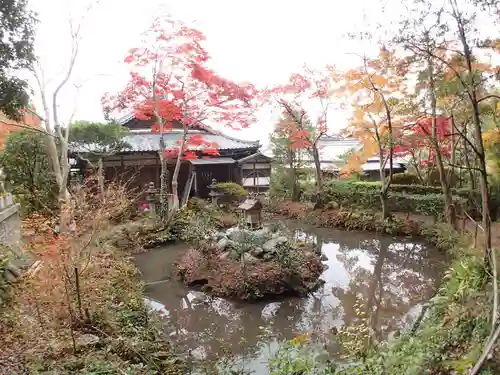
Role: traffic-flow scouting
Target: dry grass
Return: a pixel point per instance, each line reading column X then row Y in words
column 85, row 286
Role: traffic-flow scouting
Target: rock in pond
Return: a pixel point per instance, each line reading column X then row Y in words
column 261, row 232
column 258, row 251
column 222, row 244
column 270, row 245
column 249, row 258
column 281, row 240
column 225, row 255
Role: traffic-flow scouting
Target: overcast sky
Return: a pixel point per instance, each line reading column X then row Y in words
column 261, row 41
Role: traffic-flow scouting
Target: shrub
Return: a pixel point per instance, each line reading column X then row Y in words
column 232, row 188
column 27, row 167
column 426, row 200
column 406, row 179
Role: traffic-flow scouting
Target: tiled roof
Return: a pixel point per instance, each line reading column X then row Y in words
column 144, row 142
column 213, row 161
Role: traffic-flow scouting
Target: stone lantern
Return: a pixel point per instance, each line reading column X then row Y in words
column 151, row 192
column 214, row 193
column 252, row 212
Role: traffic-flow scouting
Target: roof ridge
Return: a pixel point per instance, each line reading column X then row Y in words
column 124, row 119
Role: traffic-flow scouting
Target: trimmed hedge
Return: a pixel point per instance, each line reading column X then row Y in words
column 405, row 179
column 469, row 201
column 426, row 200
column 232, row 188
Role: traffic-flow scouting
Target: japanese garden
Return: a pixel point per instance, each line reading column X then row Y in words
column 156, row 241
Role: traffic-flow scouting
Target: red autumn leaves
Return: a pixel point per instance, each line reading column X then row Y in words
column 169, row 76
column 417, row 137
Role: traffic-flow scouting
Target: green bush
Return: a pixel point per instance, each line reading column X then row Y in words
column 426, row 200
column 27, row 167
column 232, row 188
column 406, row 179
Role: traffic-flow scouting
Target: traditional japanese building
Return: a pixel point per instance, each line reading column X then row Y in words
column 139, row 163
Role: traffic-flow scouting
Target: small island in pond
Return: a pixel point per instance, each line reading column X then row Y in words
column 252, row 264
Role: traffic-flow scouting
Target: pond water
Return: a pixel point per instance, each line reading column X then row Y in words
column 391, row 277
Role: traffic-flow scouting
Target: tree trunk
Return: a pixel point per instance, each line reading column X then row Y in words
column 385, row 183
column 292, row 175
column 50, row 141
column 163, row 188
column 319, row 177
column 163, row 180
column 451, row 171
column 175, row 175
column 384, row 187
column 472, row 178
column 384, row 200
column 449, row 211
column 100, row 178
column 483, row 176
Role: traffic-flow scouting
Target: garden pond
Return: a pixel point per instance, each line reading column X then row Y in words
column 391, row 277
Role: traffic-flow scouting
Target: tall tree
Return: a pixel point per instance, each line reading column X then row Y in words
column 307, row 98
column 181, row 89
column 457, row 50
column 55, row 128
column 374, row 90
column 17, row 33
column 288, row 149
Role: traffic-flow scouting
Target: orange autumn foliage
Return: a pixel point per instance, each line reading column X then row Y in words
column 373, row 91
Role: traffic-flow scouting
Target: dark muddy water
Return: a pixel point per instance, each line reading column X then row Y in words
column 391, row 277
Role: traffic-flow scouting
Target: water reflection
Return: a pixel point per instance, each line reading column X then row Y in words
column 390, row 277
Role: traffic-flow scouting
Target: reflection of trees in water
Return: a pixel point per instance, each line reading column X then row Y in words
column 402, row 276
column 392, row 278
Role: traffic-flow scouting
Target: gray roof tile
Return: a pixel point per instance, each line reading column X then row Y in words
column 144, row 142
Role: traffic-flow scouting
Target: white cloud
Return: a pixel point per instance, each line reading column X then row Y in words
column 262, row 41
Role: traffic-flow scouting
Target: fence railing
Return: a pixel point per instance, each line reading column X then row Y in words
column 476, row 225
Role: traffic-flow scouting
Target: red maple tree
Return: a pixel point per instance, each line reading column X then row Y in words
column 170, row 83
column 297, row 98
column 418, row 141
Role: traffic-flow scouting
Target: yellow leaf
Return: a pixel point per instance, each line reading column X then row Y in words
column 357, row 86
column 376, row 106
column 359, row 114
column 379, row 80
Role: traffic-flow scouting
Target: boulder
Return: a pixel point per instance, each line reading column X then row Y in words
column 225, row 255
column 281, row 240
column 236, row 234
column 86, row 340
column 323, row 258
column 231, row 230
column 264, row 232
column 222, row 244
column 270, row 245
column 268, row 256
column 249, row 258
column 258, row 251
